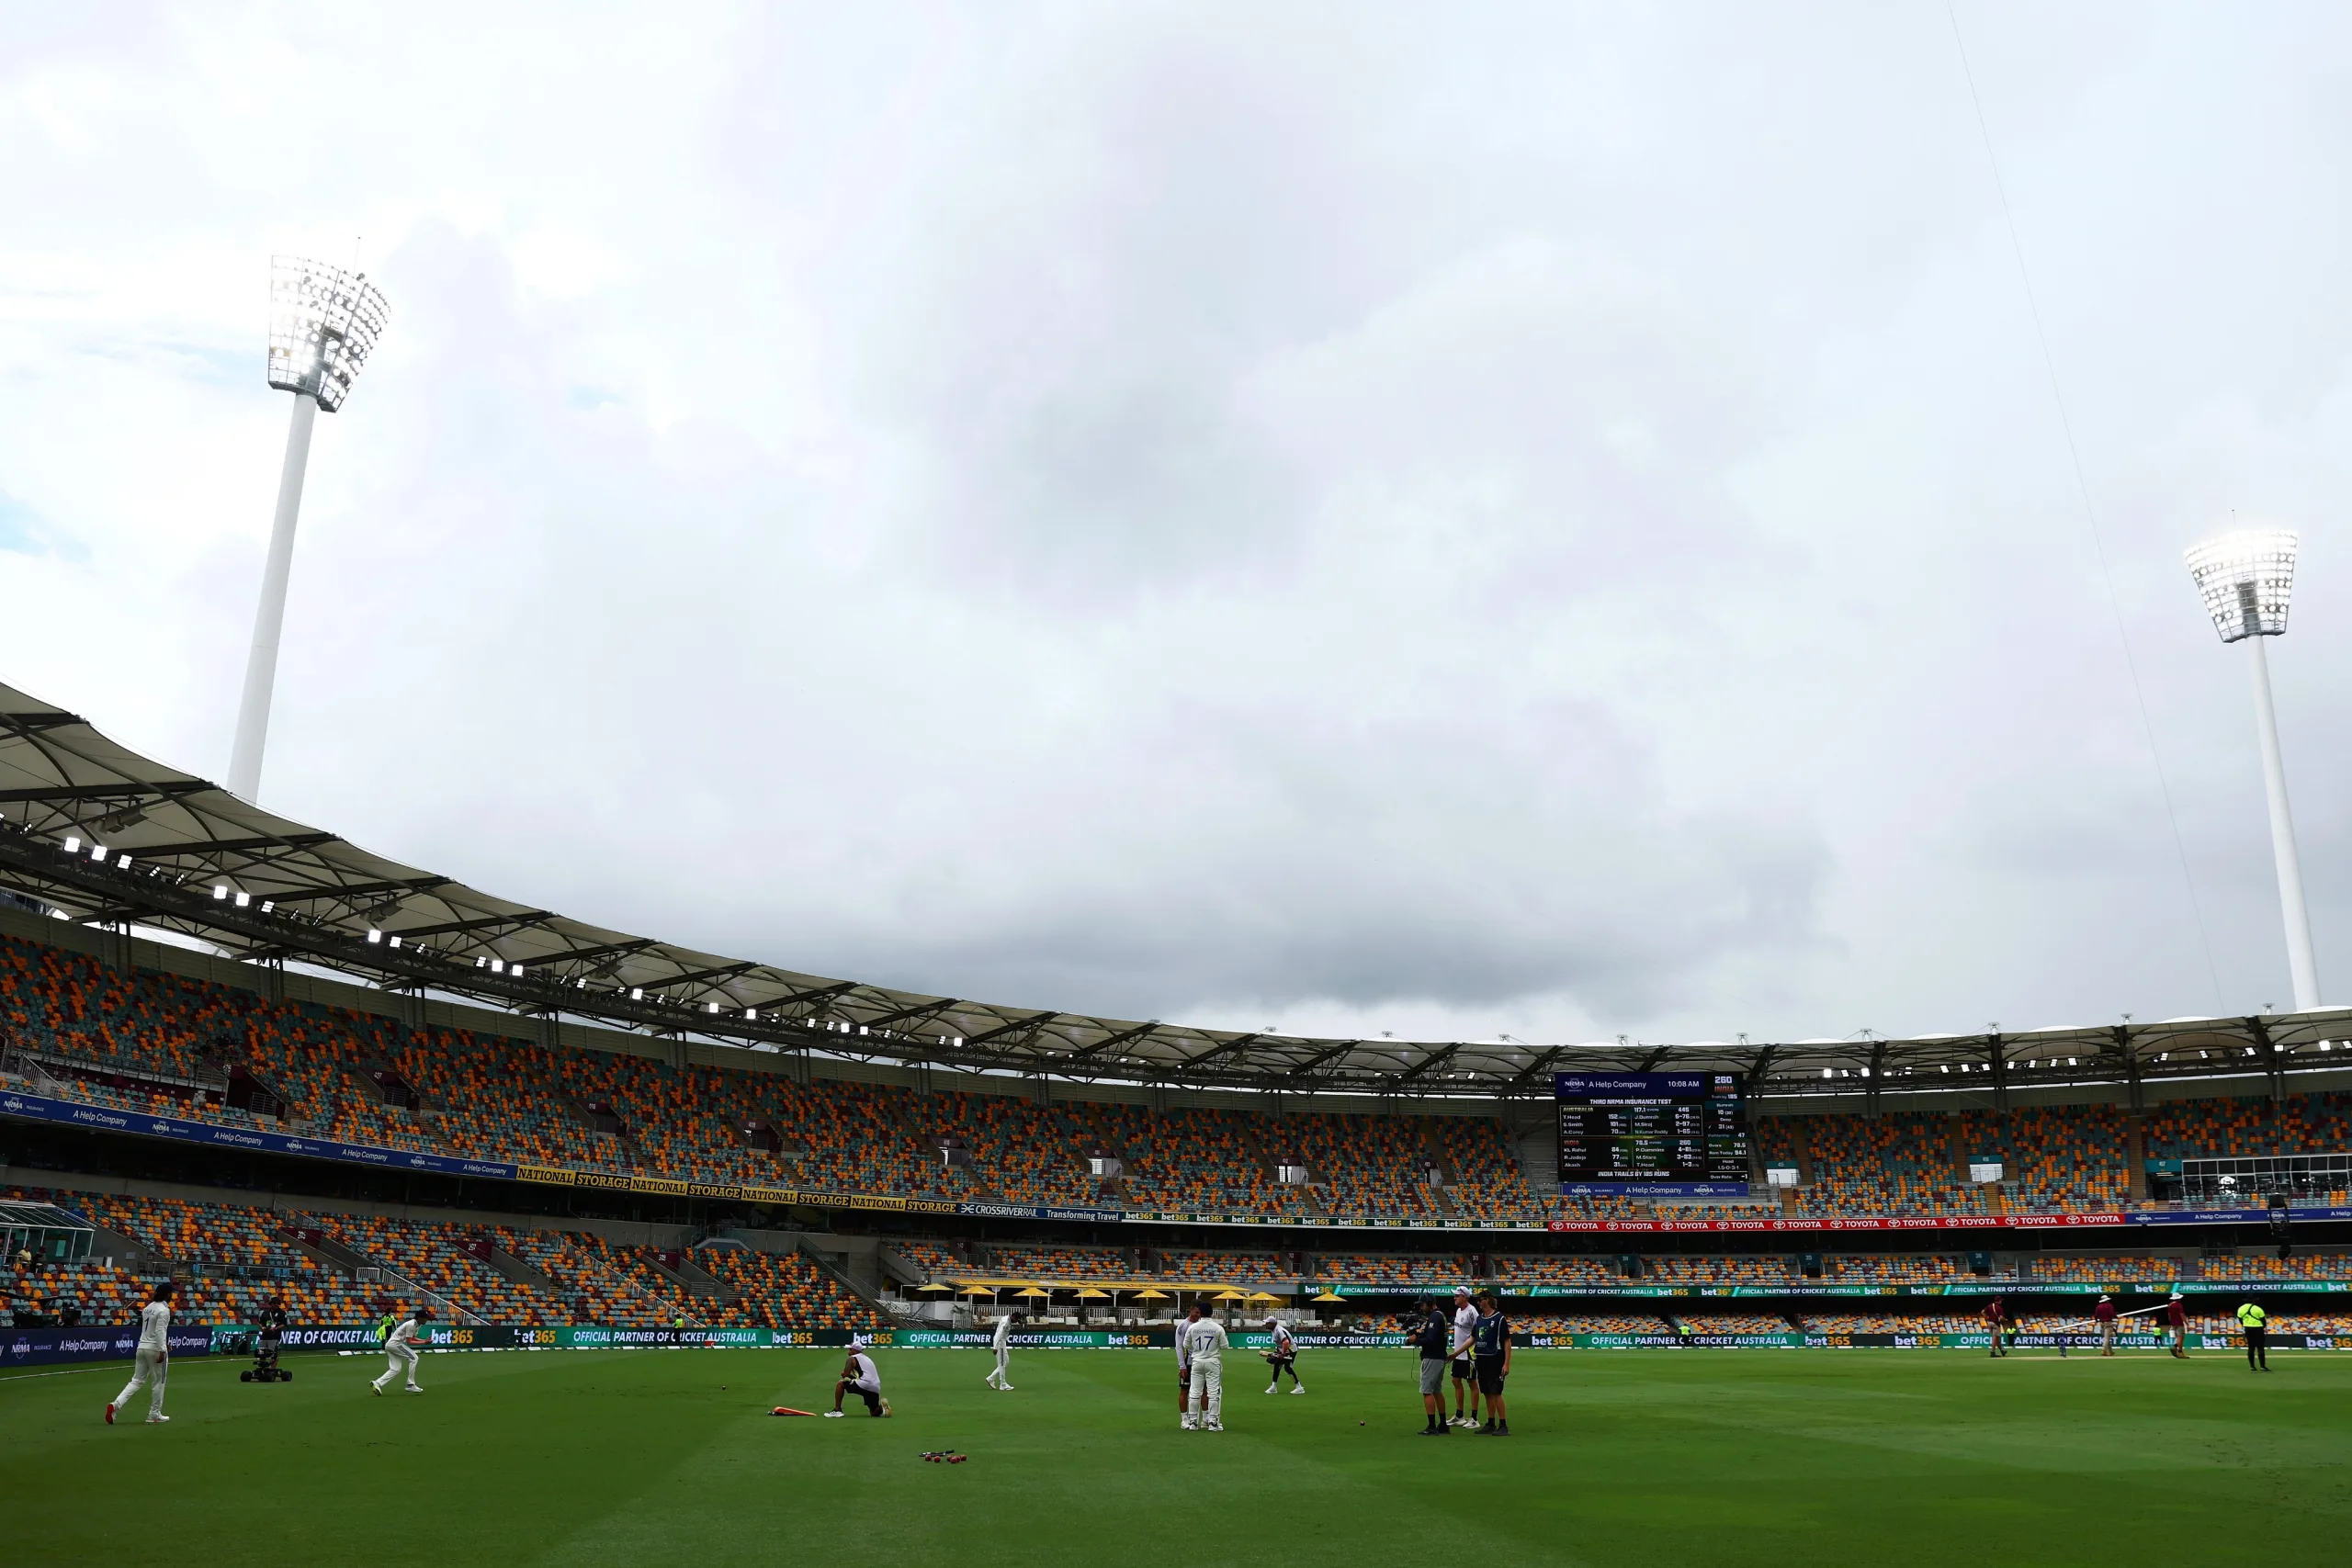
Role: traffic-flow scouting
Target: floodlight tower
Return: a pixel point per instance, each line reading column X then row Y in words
column 322, row 323
column 2245, row 579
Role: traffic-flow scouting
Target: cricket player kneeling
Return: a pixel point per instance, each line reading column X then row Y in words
column 860, row 1378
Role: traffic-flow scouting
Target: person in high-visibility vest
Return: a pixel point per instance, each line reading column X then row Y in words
column 2254, row 1321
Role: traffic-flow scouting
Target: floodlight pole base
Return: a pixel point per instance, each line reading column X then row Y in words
column 270, row 617
column 2301, row 967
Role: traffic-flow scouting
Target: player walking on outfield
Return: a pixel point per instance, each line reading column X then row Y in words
column 1465, row 1371
column 1206, row 1338
column 1003, row 1342
column 1996, row 1318
column 1433, row 1337
column 400, row 1350
column 1493, row 1356
column 2256, row 1324
column 1283, row 1356
column 2176, row 1319
column 152, row 1361
column 862, row 1378
column 2103, row 1315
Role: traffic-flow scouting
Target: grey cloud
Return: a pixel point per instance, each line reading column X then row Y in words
column 1539, row 518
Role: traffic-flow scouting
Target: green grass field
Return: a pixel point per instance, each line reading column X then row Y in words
column 1627, row 1459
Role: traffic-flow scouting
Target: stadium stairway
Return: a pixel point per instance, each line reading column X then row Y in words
column 691, row 1277
column 899, row 1270
column 1538, row 1153
column 840, row 1276
column 524, row 1273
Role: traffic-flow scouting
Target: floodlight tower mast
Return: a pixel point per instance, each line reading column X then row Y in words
column 323, row 322
column 2245, row 579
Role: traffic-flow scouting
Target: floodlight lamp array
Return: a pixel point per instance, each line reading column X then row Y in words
column 323, row 322
column 2245, row 579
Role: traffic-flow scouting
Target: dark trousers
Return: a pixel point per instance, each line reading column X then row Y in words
column 1285, row 1364
column 2257, row 1347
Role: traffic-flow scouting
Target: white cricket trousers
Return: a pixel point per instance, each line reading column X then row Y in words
column 399, row 1360
column 1003, row 1359
column 1207, row 1396
column 150, row 1369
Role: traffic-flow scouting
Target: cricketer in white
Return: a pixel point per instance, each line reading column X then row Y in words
column 400, row 1352
column 152, row 1361
column 1205, row 1343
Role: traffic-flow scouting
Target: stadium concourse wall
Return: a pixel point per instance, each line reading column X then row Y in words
column 49, row 1346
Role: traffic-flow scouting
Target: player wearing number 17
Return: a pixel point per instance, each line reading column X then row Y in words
column 1204, row 1337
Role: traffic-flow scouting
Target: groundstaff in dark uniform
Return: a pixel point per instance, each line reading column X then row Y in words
column 1433, row 1338
column 2256, row 1325
column 1493, row 1359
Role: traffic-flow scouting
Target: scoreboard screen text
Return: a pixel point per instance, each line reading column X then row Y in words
column 1651, row 1127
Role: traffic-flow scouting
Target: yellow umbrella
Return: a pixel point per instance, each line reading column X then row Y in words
column 1151, row 1296
column 976, row 1290
column 1261, row 1296
column 934, row 1287
column 1031, row 1290
column 1328, row 1296
column 1091, row 1294
column 1231, row 1296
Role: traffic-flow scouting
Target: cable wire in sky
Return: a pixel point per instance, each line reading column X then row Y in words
column 2090, row 512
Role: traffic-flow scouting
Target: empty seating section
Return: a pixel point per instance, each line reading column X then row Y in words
column 1366, row 1165
column 150, row 1042
column 1476, row 1154
column 2300, row 1124
column 1901, row 1163
column 931, row 1256
column 1222, row 1268
column 1600, row 1271
column 433, row 1257
column 1193, row 1160
column 2263, row 1266
column 2106, row 1270
column 580, row 1266
column 857, row 1139
column 776, row 1291
column 1873, row 1269
column 99, row 1292
column 1891, row 1322
column 1716, row 1271
column 1064, row 1263
column 1592, row 1323
column 2065, row 1159
column 1357, row 1269
column 1736, row 1323
column 233, row 1260
column 1023, row 1152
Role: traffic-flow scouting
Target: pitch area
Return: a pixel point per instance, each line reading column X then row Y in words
column 575, row 1459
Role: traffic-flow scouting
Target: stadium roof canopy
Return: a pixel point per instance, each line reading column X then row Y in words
column 104, row 836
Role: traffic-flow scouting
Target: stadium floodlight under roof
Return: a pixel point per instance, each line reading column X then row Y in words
column 2245, row 579
column 323, row 322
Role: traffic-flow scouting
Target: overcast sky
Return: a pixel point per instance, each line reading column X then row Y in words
column 1447, row 519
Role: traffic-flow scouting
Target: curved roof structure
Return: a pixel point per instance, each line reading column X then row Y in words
column 105, row 836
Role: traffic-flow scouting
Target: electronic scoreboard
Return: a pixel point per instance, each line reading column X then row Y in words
column 1651, row 1128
